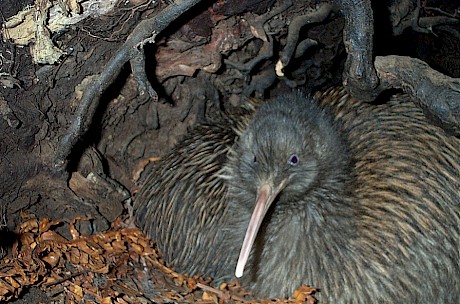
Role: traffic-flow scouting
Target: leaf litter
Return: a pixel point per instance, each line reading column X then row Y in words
column 120, row 265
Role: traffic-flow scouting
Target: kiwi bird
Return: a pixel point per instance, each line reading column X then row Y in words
column 360, row 201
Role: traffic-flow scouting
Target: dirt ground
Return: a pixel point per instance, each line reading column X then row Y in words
column 206, row 60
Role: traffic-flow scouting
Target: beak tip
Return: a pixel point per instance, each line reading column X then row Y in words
column 239, row 272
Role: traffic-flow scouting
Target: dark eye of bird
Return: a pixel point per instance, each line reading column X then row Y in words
column 293, row 160
column 254, row 160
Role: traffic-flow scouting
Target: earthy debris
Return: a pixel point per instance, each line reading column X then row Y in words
column 119, row 265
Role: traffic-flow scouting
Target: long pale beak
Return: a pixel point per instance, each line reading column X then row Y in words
column 265, row 197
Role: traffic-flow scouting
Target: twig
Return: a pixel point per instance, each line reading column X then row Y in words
column 266, row 52
column 258, row 26
column 145, row 32
column 68, row 277
column 295, row 27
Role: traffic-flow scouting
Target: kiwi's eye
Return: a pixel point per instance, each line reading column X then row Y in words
column 254, row 159
column 293, row 160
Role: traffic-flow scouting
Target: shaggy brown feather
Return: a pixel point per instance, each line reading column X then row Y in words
column 370, row 214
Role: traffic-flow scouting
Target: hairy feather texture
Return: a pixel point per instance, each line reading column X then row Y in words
column 366, row 202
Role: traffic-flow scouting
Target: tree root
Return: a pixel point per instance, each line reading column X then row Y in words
column 145, row 32
column 437, row 94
